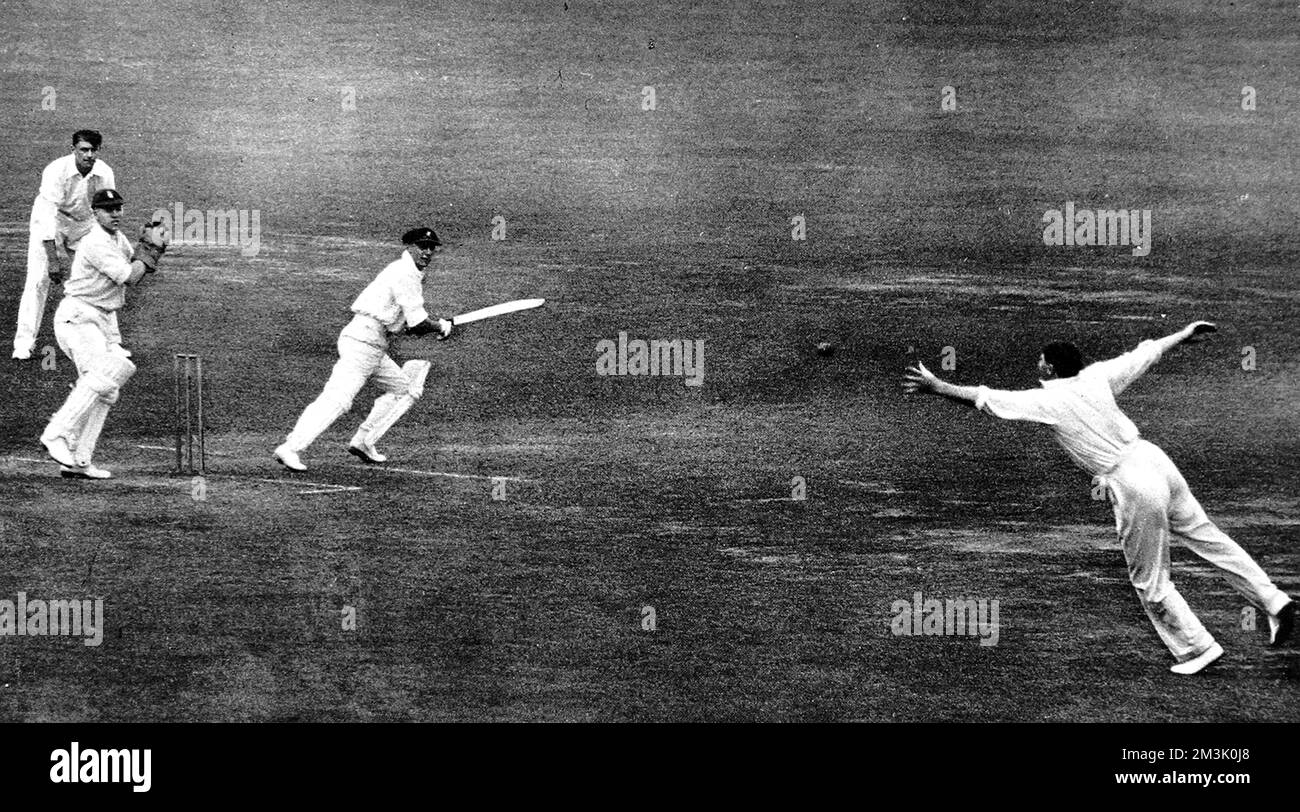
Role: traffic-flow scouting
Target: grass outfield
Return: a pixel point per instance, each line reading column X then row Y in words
column 627, row 494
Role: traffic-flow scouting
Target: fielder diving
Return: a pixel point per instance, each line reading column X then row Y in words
column 1149, row 496
column 392, row 304
column 85, row 325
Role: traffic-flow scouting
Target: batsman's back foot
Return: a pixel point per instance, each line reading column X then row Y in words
column 367, row 453
column 287, row 457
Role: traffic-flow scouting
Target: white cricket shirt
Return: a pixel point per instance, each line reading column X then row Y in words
column 100, row 269
column 63, row 202
column 395, row 299
column 1081, row 410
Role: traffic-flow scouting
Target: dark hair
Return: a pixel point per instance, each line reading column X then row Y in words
column 1065, row 358
column 92, row 137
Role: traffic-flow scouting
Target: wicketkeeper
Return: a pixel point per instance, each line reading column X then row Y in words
column 1149, row 495
column 85, row 325
column 393, row 304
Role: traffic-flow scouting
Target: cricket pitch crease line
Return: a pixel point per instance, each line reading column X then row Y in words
column 451, row 475
column 377, row 468
column 319, row 487
column 171, row 477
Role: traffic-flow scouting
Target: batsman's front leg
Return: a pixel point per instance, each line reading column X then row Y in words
column 403, row 387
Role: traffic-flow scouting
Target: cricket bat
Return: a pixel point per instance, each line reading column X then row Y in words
column 496, row 310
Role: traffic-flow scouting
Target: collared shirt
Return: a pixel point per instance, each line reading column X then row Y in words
column 396, row 296
column 1081, row 410
column 62, row 205
column 100, row 270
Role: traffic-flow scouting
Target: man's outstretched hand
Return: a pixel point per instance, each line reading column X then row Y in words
column 919, row 380
column 1201, row 330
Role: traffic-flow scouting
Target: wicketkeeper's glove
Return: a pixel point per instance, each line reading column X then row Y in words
column 153, row 242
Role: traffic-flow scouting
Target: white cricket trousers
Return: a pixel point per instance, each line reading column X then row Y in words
column 31, row 308
column 358, row 363
column 87, row 335
column 1151, row 500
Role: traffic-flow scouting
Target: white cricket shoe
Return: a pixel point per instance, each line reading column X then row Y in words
column 57, row 448
column 22, row 355
column 1199, row 662
column 365, row 450
column 287, row 457
column 88, row 471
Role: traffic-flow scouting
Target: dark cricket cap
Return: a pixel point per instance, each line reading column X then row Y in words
column 420, row 236
column 106, row 199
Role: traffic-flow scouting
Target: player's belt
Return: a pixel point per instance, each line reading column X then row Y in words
column 379, row 323
column 368, row 325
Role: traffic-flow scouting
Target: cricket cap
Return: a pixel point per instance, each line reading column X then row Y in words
column 107, row 199
column 420, row 236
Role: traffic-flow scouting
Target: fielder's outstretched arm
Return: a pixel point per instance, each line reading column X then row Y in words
column 919, row 380
column 1123, row 370
column 1191, row 332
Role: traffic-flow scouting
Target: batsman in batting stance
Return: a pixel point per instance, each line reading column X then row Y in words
column 85, row 325
column 392, row 304
column 1149, row 495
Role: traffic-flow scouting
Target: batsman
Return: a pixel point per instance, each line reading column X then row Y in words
column 393, row 304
